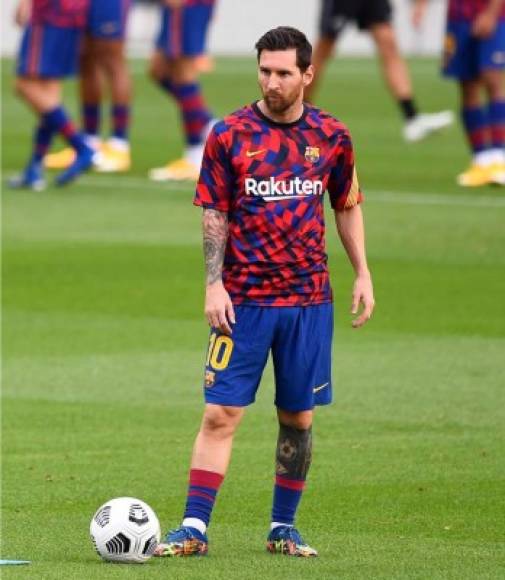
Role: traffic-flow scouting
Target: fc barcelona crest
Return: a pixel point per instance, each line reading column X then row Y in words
column 312, row 154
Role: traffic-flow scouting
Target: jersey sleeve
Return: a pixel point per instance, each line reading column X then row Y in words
column 343, row 185
column 214, row 186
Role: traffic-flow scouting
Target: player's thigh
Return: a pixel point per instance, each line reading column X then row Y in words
column 108, row 54
column 301, row 354
column 234, row 364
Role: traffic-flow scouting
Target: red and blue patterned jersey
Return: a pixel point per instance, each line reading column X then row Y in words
column 199, row 2
column 61, row 13
column 468, row 10
column 270, row 178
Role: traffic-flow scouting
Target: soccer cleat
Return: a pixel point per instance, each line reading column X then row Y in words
column 61, row 159
column 180, row 170
column 497, row 173
column 114, row 158
column 183, row 541
column 475, row 176
column 83, row 161
column 288, row 541
column 31, row 178
column 424, row 124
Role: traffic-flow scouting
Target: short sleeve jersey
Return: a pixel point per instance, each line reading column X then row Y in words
column 61, row 13
column 468, row 10
column 270, row 179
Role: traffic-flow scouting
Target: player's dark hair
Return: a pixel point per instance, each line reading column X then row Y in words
column 284, row 38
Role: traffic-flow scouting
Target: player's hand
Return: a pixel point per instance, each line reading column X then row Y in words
column 362, row 294
column 23, row 12
column 485, row 24
column 219, row 308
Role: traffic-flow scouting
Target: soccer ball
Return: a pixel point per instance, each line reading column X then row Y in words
column 125, row 529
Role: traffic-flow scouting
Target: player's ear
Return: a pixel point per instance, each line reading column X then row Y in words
column 308, row 75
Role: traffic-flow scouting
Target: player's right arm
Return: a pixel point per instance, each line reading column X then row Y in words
column 218, row 305
column 213, row 193
column 23, row 12
column 486, row 22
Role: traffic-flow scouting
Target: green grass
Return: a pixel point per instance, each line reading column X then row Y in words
column 104, row 338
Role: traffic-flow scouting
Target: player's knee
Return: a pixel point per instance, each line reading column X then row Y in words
column 221, row 421
column 20, row 87
column 299, row 420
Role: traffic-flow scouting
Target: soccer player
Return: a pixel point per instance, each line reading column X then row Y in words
column 374, row 16
column 475, row 56
column 48, row 53
column 103, row 57
column 174, row 67
column 264, row 173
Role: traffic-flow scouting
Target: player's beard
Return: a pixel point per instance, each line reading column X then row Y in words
column 279, row 104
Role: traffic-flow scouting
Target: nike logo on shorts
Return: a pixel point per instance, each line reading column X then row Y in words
column 317, row 389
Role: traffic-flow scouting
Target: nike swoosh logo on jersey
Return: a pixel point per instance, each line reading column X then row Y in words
column 253, row 153
column 317, row 389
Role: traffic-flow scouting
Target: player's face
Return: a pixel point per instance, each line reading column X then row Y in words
column 280, row 79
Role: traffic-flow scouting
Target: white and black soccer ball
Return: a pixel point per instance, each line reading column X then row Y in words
column 125, row 529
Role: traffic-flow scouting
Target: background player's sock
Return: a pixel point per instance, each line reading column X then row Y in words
column 91, row 118
column 476, row 124
column 202, row 492
column 42, row 140
column 59, row 122
column 287, row 496
column 120, row 121
column 496, row 115
column 408, row 108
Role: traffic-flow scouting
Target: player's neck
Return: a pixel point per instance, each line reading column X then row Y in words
column 291, row 115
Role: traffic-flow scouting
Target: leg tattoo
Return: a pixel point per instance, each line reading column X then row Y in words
column 294, row 452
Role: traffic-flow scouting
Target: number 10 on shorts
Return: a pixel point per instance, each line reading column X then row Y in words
column 219, row 353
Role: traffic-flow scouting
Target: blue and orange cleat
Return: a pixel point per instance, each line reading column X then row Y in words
column 82, row 162
column 288, row 541
column 183, row 541
column 31, row 178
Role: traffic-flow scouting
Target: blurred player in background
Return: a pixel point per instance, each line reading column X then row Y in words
column 175, row 67
column 264, row 173
column 103, row 59
column 374, row 16
column 49, row 52
column 475, row 56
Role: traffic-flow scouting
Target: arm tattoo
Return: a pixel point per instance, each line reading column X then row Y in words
column 215, row 236
column 294, row 452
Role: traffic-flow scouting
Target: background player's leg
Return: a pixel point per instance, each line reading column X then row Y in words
column 494, row 83
column 293, row 459
column 322, row 53
column 397, row 78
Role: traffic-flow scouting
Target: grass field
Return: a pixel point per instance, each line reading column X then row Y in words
column 104, row 339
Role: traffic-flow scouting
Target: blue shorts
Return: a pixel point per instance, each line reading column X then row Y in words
column 184, row 30
column 107, row 19
column 466, row 57
column 49, row 51
column 299, row 338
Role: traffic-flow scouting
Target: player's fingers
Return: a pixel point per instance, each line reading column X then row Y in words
column 364, row 316
column 355, row 302
column 223, row 322
column 212, row 319
column 230, row 312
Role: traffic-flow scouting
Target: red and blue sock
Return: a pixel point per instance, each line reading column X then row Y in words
column 42, row 140
column 58, row 121
column 496, row 114
column 120, row 121
column 202, row 492
column 194, row 111
column 476, row 124
column 91, row 117
column 287, row 496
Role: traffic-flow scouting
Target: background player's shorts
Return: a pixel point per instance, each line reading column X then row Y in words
column 299, row 338
column 107, row 19
column 465, row 57
column 184, row 30
column 49, row 51
column 335, row 14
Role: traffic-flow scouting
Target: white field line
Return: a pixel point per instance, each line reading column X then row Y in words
column 372, row 196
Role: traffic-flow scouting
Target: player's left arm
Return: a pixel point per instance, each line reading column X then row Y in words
column 352, row 234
